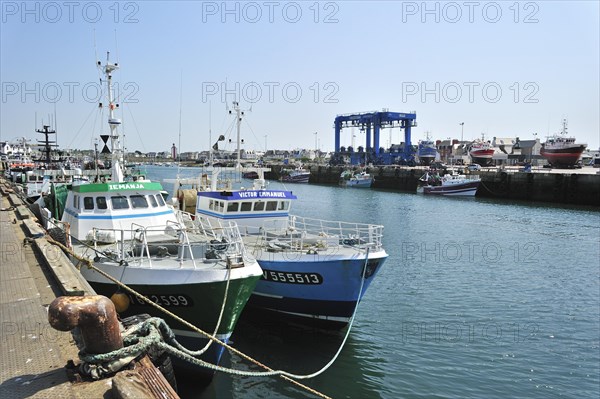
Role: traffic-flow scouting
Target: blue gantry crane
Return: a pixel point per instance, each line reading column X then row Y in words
column 375, row 121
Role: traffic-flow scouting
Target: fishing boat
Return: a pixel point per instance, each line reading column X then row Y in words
column 314, row 271
column 202, row 273
column 297, row 175
column 361, row 179
column 426, row 151
column 16, row 166
column 481, row 152
column 561, row 150
column 450, row 185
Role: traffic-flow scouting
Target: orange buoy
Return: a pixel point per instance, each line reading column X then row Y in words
column 121, row 301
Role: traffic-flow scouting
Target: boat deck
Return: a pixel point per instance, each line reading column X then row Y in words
column 310, row 244
column 165, row 252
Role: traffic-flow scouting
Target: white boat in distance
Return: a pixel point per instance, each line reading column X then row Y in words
column 450, row 185
column 359, row 180
column 298, row 175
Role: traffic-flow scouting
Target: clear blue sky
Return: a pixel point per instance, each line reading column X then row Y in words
column 505, row 69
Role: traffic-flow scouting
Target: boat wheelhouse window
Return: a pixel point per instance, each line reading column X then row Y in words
column 88, row 203
column 138, row 201
column 246, row 206
column 153, row 201
column 259, row 206
column 233, row 206
column 119, row 202
column 160, row 199
column 221, row 206
column 284, row 205
column 101, row 203
column 271, row 205
column 75, row 199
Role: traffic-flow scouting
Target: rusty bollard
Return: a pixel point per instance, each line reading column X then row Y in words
column 95, row 316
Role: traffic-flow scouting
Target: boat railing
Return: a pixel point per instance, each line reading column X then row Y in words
column 302, row 232
column 215, row 229
column 189, row 244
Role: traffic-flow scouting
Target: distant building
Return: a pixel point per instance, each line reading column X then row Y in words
column 453, row 151
column 19, row 148
column 189, row 156
column 526, row 151
column 504, row 145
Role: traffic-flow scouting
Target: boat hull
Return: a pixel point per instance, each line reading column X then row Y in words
column 323, row 291
column 465, row 189
column 199, row 304
column 482, row 157
column 563, row 157
column 296, row 179
column 426, row 159
column 364, row 183
column 426, row 153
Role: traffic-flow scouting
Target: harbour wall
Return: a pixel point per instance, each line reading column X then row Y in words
column 578, row 187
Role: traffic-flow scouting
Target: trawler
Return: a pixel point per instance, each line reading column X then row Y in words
column 314, row 270
column 200, row 272
column 561, row 150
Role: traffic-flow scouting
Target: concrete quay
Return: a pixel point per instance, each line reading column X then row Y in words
column 561, row 186
column 33, row 353
column 36, row 360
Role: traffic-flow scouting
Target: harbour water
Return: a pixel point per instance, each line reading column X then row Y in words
column 478, row 298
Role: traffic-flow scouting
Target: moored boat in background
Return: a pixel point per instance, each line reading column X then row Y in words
column 297, row 175
column 426, row 151
column 562, row 151
column 481, row 152
column 450, row 185
column 361, row 179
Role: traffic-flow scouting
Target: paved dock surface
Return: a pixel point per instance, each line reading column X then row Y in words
column 33, row 354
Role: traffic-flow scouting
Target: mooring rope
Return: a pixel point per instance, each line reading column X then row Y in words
column 270, row 372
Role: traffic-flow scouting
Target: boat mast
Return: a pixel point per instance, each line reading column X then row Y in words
column 114, row 123
column 239, row 113
column 210, row 144
column 48, row 144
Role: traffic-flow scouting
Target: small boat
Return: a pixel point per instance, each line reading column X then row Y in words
column 481, row 152
column 202, row 273
column 450, row 184
column 297, row 175
column 562, row 151
column 359, row 180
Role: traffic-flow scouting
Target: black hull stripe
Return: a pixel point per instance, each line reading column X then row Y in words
column 304, row 306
